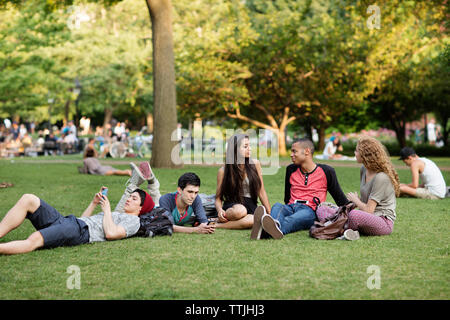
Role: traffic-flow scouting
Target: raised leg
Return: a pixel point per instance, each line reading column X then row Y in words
column 28, row 203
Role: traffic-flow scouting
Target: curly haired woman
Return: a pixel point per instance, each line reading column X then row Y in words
column 379, row 186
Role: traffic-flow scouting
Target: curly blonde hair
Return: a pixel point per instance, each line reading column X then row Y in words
column 375, row 157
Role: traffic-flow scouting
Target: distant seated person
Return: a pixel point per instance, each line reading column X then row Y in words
column 329, row 152
column 50, row 144
column 433, row 183
column 93, row 166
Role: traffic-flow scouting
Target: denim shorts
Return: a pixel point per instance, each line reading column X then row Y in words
column 57, row 230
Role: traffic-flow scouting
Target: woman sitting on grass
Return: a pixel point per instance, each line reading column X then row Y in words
column 379, row 186
column 239, row 184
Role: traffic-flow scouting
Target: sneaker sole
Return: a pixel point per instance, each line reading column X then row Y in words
column 351, row 235
column 144, row 168
column 135, row 168
column 260, row 211
column 270, row 226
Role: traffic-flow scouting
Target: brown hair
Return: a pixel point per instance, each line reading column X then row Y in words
column 231, row 188
column 375, row 157
column 89, row 153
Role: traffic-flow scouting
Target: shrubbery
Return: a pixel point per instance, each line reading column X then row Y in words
column 393, row 147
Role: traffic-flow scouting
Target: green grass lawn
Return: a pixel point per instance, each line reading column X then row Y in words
column 413, row 261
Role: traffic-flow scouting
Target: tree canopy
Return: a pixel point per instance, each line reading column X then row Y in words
column 265, row 64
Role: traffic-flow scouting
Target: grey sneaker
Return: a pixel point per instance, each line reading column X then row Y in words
column 257, row 229
column 351, row 235
column 272, row 227
column 137, row 177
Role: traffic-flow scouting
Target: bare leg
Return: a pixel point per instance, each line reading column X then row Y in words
column 404, row 189
column 236, row 212
column 237, row 218
column 244, row 223
column 28, row 203
column 118, row 173
column 34, row 241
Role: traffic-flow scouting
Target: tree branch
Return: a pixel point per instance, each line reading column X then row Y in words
column 240, row 116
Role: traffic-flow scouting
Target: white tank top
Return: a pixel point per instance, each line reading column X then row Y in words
column 432, row 178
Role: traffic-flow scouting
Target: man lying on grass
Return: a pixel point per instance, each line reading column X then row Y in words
column 55, row 230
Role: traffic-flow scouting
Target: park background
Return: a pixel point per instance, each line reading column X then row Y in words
column 294, row 67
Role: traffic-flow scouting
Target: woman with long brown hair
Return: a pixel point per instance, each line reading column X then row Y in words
column 239, row 185
column 379, row 187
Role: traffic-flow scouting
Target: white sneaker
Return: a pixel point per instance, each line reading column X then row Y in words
column 257, row 229
column 272, row 227
column 351, row 235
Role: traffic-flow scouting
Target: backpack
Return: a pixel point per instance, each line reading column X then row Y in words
column 209, row 204
column 334, row 226
column 155, row 223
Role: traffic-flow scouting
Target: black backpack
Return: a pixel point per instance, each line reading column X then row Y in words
column 155, row 223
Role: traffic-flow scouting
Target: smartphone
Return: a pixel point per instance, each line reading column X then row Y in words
column 211, row 223
column 105, row 192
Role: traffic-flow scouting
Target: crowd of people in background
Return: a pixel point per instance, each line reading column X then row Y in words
column 23, row 139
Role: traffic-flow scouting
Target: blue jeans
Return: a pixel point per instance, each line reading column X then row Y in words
column 293, row 217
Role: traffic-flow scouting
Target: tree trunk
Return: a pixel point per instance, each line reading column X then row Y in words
column 150, row 122
column 107, row 119
column 164, row 111
column 399, row 127
column 66, row 111
column 282, row 139
column 445, row 132
column 321, row 133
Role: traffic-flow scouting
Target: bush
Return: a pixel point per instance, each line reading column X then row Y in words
column 393, row 147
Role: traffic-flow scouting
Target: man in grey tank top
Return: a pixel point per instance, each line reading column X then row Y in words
column 433, row 183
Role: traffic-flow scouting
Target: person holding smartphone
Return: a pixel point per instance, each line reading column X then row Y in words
column 55, row 230
column 306, row 186
column 185, row 203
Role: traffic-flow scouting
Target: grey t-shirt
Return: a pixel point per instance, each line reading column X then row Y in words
column 381, row 190
column 130, row 223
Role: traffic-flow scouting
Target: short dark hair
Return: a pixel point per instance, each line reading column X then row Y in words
column 406, row 152
column 188, row 178
column 142, row 194
column 305, row 143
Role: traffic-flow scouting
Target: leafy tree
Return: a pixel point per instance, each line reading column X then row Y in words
column 29, row 77
column 396, row 64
